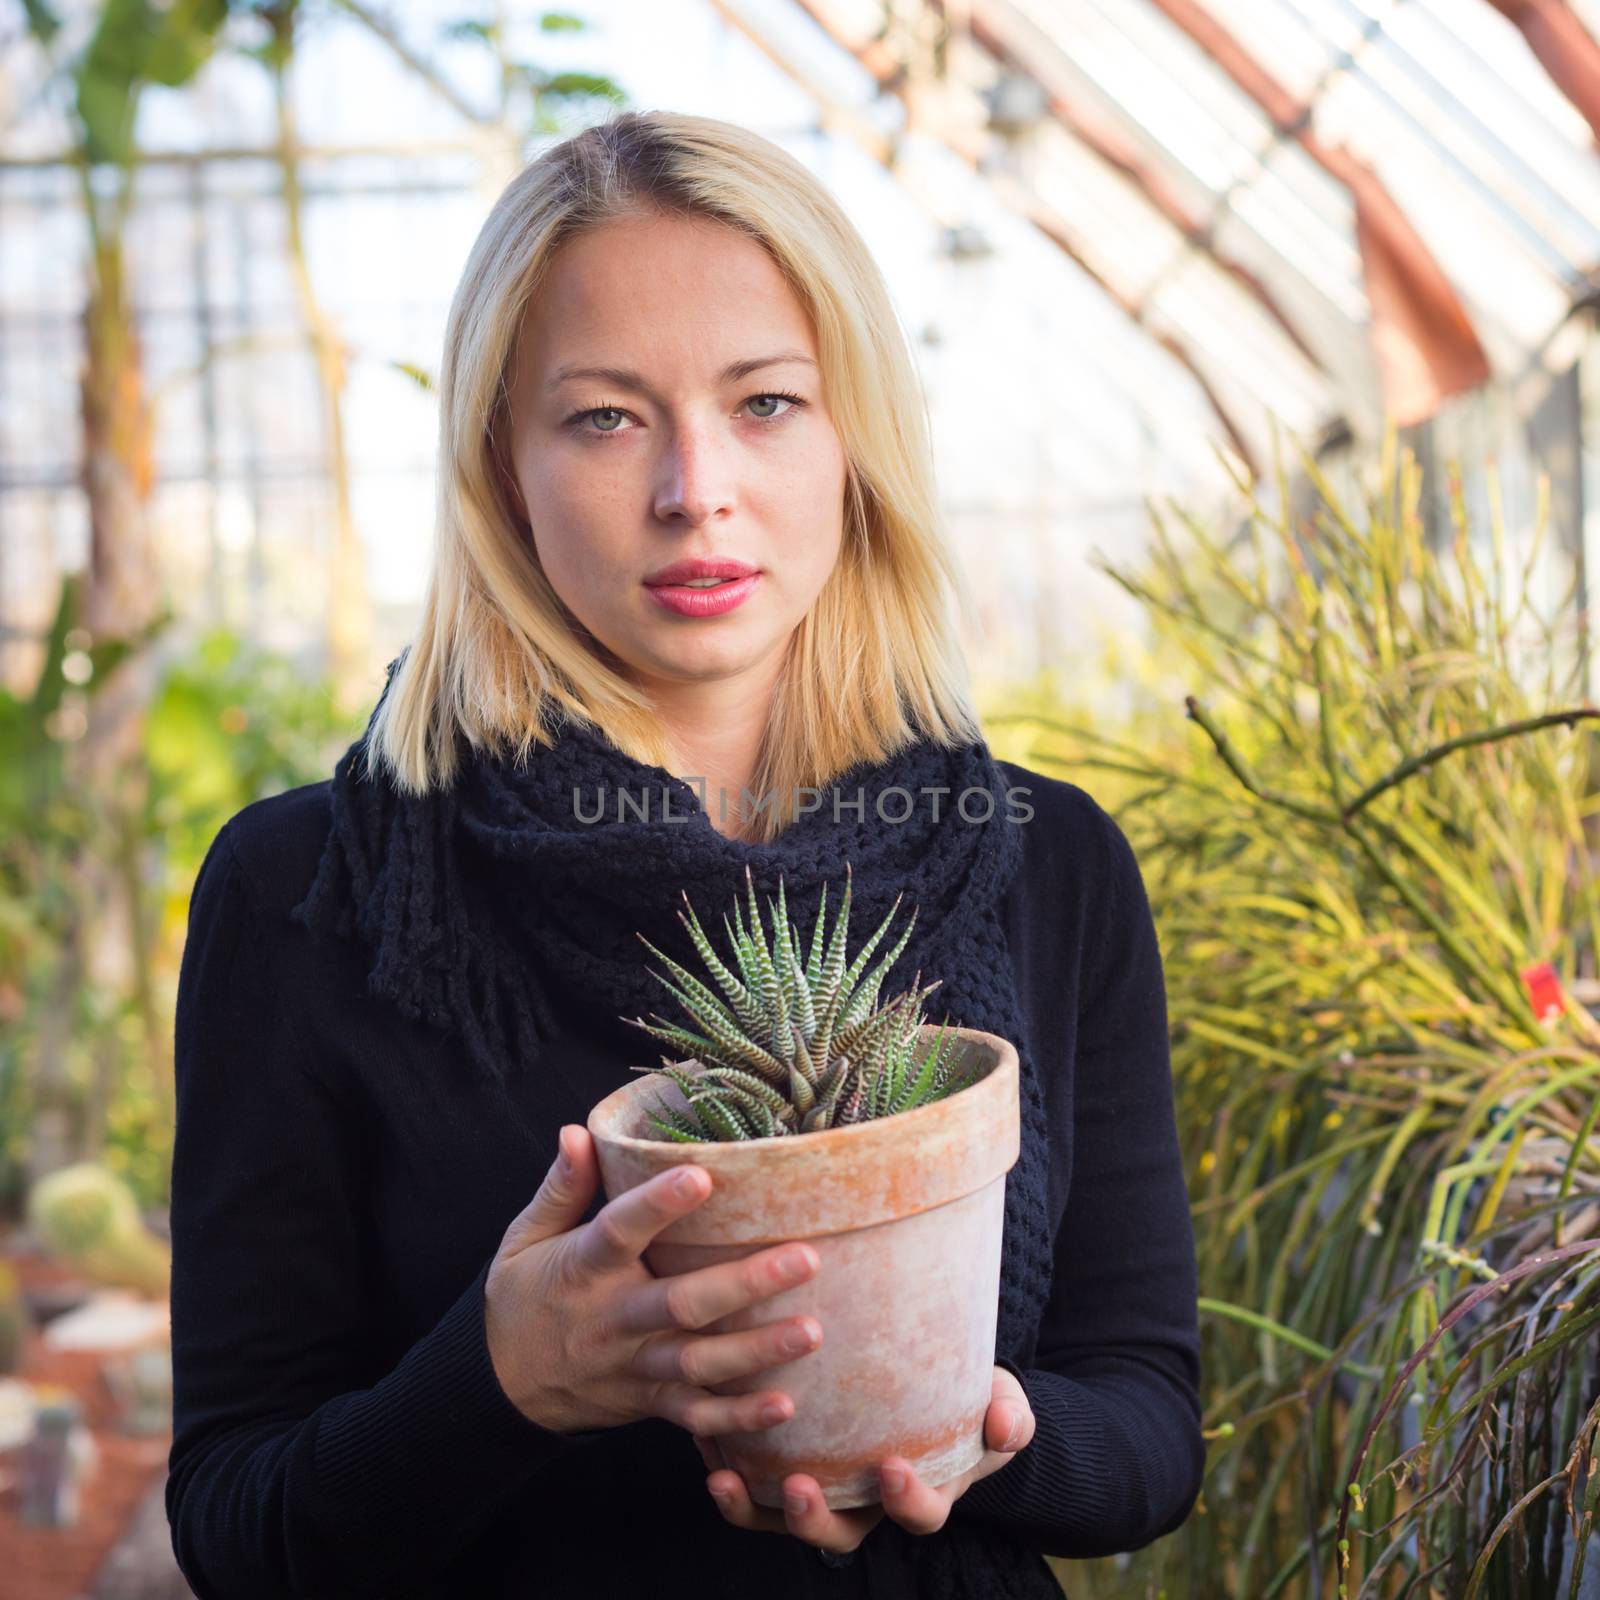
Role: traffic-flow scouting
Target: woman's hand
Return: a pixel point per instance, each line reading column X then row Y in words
column 918, row 1507
column 583, row 1336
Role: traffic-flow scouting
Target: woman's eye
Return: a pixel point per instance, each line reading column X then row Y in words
column 582, row 419
column 791, row 403
column 758, row 399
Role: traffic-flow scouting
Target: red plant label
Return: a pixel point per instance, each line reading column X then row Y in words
column 1544, row 990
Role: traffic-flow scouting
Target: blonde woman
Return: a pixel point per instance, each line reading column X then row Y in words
column 690, row 611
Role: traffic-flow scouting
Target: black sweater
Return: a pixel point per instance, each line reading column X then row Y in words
column 337, row 1199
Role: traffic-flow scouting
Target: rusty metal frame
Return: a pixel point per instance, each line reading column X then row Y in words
column 1097, row 135
column 1422, row 338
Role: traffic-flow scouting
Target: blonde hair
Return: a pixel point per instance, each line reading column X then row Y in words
column 497, row 657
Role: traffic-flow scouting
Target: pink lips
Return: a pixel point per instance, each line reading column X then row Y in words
column 711, row 602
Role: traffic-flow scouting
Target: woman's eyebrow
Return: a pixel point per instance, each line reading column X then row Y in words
column 625, row 378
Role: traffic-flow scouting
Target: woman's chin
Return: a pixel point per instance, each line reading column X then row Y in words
column 702, row 660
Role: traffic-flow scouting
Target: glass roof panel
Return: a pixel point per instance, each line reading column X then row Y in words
column 1514, row 291
column 1280, row 38
column 1141, row 254
column 1509, row 76
column 1300, row 211
column 1249, row 410
column 1125, row 238
column 1308, row 217
column 1343, row 351
column 1446, row 103
column 1225, row 324
column 1343, row 25
column 1547, row 186
column 1171, row 88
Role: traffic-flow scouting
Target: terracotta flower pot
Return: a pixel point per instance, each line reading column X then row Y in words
column 906, row 1215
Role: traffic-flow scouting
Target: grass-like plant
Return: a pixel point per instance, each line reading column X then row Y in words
column 795, row 1047
column 1364, row 800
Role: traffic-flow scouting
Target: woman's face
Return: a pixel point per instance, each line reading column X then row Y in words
column 694, row 444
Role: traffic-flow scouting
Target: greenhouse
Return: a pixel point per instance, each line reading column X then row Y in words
column 1213, row 389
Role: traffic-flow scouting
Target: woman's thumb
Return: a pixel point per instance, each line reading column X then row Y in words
column 564, row 1195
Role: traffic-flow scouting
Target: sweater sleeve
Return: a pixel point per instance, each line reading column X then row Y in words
column 1117, row 1456
column 292, row 1472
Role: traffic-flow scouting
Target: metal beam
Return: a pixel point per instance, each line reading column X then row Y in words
column 987, row 27
column 1425, row 345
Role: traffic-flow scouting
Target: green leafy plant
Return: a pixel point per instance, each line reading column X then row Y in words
column 1363, row 793
column 796, row 1047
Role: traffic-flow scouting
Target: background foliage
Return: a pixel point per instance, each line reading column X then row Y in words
column 1363, row 840
column 228, row 724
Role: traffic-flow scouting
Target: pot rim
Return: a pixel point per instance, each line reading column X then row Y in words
column 624, row 1094
column 853, row 1177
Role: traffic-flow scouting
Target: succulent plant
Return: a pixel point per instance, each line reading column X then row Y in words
column 794, row 1047
column 88, row 1216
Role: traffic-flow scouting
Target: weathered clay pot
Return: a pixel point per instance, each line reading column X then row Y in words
column 906, row 1215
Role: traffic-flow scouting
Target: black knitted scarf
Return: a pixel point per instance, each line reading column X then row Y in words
column 483, row 904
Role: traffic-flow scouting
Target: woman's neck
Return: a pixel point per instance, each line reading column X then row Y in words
column 717, row 730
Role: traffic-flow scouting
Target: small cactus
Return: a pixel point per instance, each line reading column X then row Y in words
column 89, row 1218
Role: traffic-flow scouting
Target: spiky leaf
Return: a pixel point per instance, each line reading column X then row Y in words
column 789, row 1048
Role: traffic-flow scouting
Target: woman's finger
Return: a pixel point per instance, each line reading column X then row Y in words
column 915, row 1505
column 809, row 1517
column 1008, row 1425
column 733, row 1501
column 816, row 1525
